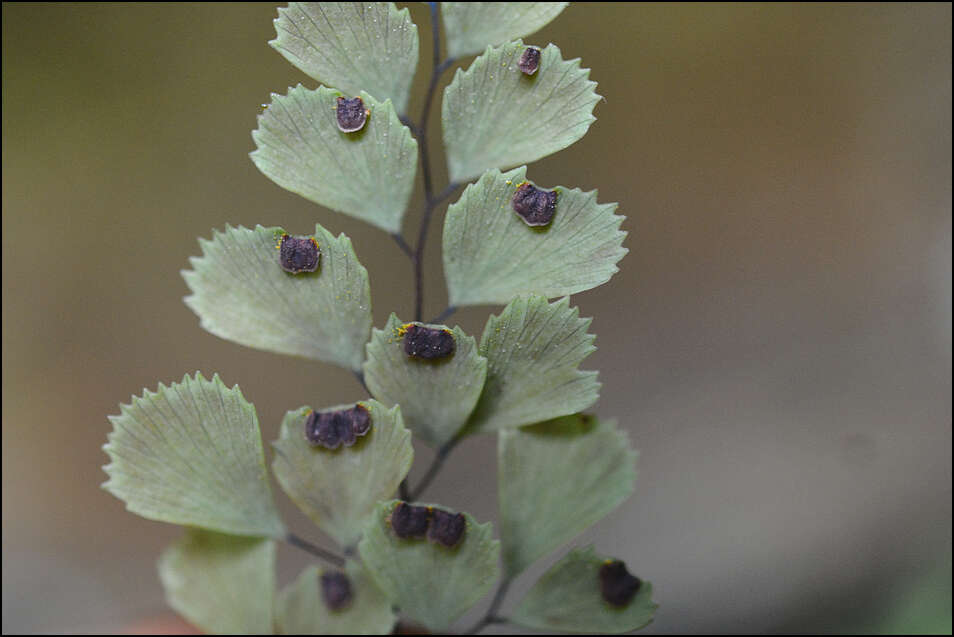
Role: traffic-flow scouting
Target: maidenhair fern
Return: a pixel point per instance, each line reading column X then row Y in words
column 191, row 452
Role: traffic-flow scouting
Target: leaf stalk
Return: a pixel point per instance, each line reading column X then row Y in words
column 491, row 617
column 324, row 554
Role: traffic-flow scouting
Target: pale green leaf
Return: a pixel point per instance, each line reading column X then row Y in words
column 556, row 478
column 567, row 599
column 533, row 350
column 436, row 396
column 241, row 293
column 339, row 488
column 471, row 26
column 367, row 174
column 301, row 610
column 491, row 255
column 494, row 116
column 223, row 584
column 352, row 46
column 192, row 454
column 430, row 583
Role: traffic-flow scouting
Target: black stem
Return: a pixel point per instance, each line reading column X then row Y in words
column 483, row 623
column 407, row 122
column 317, row 551
column 419, row 261
column 450, row 309
column 428, row 100
column 360, row 376
column 491, row 617
column 405, row 248
column 433, row 470
column 404, row 491
column 447, row 192
column 430, row 202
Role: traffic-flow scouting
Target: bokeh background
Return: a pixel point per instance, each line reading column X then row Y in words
column 777, row 343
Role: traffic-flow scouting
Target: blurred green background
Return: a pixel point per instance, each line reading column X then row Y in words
column 778, row 342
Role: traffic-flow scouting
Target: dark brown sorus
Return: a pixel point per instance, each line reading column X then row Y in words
column 409, row 521
column 616, row 584
column 428, row 342
column 360, row 420
column 351, row 114
column 330, row 429
column 529, row 60
column 298, row 254
column 336, row 590
column 536, row 207
column 447, row 528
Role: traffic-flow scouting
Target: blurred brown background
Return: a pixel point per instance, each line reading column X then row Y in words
column 778, row 342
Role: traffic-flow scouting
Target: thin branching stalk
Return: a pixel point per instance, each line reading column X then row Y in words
column 317, row 551
column 443, row 316
column 433, row 470
column 491, row 617
column 430, row 201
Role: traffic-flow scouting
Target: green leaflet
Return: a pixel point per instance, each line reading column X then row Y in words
column 432, row 584
column 192, row 454
column 533, row 350
column 494, row 116
column 300, row 609
column 367, row 174
column 338, row 489
column 436, row 397
column 567, row 598
column 222, row 584
column 353, row 46
column 471, row 26
column 557, row 478
column 242, row 295
column 491, row 255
